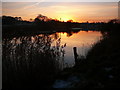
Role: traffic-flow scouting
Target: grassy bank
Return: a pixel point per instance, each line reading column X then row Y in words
column 100, row 68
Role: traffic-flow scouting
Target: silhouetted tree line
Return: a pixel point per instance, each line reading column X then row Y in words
column 44, row 23
column 51, row 24
column 9, row 20
column 41, row 23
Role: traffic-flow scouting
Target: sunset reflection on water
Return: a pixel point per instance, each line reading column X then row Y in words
column 83, row 40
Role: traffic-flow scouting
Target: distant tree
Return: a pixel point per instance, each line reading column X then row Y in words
column 37, row 21
column 41, row 18
column 87, row 22
column 9, row 20
column 18, row 18
column 114, row 21
column 70, row 21
column 31, row 19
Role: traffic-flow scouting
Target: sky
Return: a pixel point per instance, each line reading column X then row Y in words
column 60, row 0
column 77, row 11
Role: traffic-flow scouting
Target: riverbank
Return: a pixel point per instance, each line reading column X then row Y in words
column 49, row 26
column 100, row 68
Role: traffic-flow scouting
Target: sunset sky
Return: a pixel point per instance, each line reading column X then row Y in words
column 77, row 11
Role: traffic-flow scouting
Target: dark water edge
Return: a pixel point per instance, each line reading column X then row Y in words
column 100, row 68
column 19, row 30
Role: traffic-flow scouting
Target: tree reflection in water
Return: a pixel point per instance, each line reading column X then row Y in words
column 30, row 61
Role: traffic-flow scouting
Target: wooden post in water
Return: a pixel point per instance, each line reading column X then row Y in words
column 75, row 55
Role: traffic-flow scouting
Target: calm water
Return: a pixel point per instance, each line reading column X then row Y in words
column 59, row 45
column 82, row 40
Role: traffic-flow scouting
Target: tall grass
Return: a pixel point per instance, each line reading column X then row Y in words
column 30, row 62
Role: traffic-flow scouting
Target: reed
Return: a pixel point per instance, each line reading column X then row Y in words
column 30, row 62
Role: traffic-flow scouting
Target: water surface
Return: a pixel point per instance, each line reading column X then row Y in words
column 83, row 40
column 59, row 44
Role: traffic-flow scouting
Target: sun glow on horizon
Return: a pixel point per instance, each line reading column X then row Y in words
column 65, row 18
column 78, row 12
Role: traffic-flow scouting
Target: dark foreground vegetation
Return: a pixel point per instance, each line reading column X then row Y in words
column 32, row 63
column 100, row 68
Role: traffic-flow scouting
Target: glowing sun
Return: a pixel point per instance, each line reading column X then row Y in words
column 65, row 18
